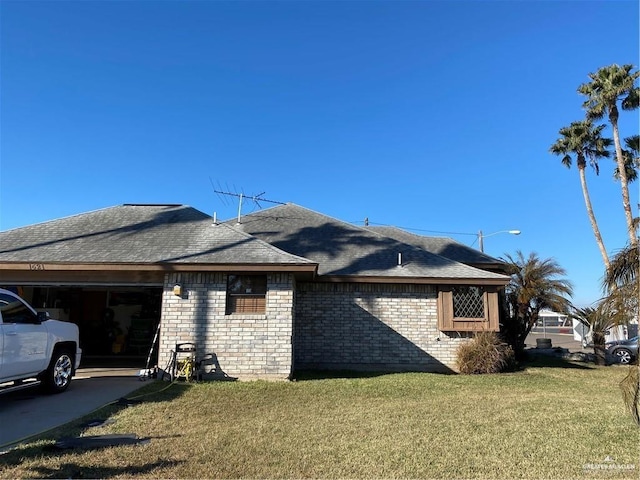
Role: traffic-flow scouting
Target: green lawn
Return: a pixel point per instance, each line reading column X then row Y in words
column 546, row 421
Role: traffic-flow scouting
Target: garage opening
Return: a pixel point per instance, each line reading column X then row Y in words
column 117, row 324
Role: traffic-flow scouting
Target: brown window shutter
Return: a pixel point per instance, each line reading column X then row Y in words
column 445, row 310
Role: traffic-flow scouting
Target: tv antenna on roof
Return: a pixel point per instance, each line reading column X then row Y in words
column 241, row 196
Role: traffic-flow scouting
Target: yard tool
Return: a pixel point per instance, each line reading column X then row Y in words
column 183, row 364
column 150, row 372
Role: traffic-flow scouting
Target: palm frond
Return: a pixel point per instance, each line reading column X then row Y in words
column 633, row 144
column 608, row 85
column 631, row 165
column 630, row 387
column 631, row 156
column 632, row 100
column 623, row 269
column 583, row 140
column 537, row 283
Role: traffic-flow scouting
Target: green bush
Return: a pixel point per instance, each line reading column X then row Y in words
column 485, row 353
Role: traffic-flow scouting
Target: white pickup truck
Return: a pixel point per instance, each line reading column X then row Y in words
column 35, row 349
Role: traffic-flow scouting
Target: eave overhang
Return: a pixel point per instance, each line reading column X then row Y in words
column 52, row 273
column 498, row 282
column 159, row 267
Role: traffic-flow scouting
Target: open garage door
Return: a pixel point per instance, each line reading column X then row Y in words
column 117, row 323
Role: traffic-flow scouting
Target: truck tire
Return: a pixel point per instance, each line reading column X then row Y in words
column 57, row 377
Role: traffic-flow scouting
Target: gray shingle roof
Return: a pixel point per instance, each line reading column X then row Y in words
column 139, row 234
column 344, row 249
column 447, row 247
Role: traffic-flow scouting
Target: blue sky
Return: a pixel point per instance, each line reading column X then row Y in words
column 435, row 116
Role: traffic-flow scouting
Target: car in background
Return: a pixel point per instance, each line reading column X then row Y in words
column 612, row 334
column 624, row 351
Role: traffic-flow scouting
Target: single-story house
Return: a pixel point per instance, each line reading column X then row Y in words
column 281, row 290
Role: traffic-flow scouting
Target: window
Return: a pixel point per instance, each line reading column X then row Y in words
column 468, row 302
column 246, row 294
column 14, row 311
column 467, row 308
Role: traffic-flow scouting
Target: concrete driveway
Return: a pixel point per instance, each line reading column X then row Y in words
column 562, row 340
column 28, row 412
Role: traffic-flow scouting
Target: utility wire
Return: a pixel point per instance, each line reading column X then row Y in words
column 415, row 229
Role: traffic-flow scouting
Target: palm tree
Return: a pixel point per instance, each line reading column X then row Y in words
column 598, row 320
column 622, row 281
column 535, row 284
column 584, row 141
column 631, row 158
column 624, row 269
column 609, row 85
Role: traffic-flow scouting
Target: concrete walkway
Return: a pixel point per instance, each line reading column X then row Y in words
column 26, row 413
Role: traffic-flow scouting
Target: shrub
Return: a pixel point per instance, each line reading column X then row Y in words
column 485, row 353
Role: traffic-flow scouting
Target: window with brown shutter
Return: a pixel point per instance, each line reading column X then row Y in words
column 465, row 308
column 246, row 294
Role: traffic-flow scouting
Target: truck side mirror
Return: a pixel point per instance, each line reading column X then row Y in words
column 43, row 316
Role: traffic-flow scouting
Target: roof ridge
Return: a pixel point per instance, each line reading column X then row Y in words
column 395, row 227
column 154, row 205
column 335, row 219
column 424, row 250
column 408, row 246
column 262, row 242
column 103, row 209
column 417, row 235
column 66, row 217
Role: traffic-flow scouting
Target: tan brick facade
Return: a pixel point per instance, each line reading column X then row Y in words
column 383, row 327
column 239, row 345
column 324, row 326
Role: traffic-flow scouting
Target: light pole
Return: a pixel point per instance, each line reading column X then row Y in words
column 481, row 236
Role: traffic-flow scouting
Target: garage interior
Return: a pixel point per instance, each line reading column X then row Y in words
column 117, row 324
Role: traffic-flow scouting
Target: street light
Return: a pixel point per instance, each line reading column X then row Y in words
column 481, row 236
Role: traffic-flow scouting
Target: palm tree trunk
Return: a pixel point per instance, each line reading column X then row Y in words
column 592, row 217
column 624, row 181
column 599, row 348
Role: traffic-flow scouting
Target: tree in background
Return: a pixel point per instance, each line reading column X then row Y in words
column 608, row 86
column 598, row 320
column 584, row 141
column 623, row 272
column 631, row 159
column 622, row 281
column 535, row 284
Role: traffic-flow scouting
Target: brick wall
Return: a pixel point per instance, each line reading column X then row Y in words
column 238, row 345
column 384, row 327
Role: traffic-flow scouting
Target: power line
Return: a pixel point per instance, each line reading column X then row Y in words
column 367, row 222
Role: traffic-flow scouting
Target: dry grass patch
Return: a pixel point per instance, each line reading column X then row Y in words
column 542, row 422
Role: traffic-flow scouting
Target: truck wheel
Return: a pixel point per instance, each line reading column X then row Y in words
column 58, row 376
